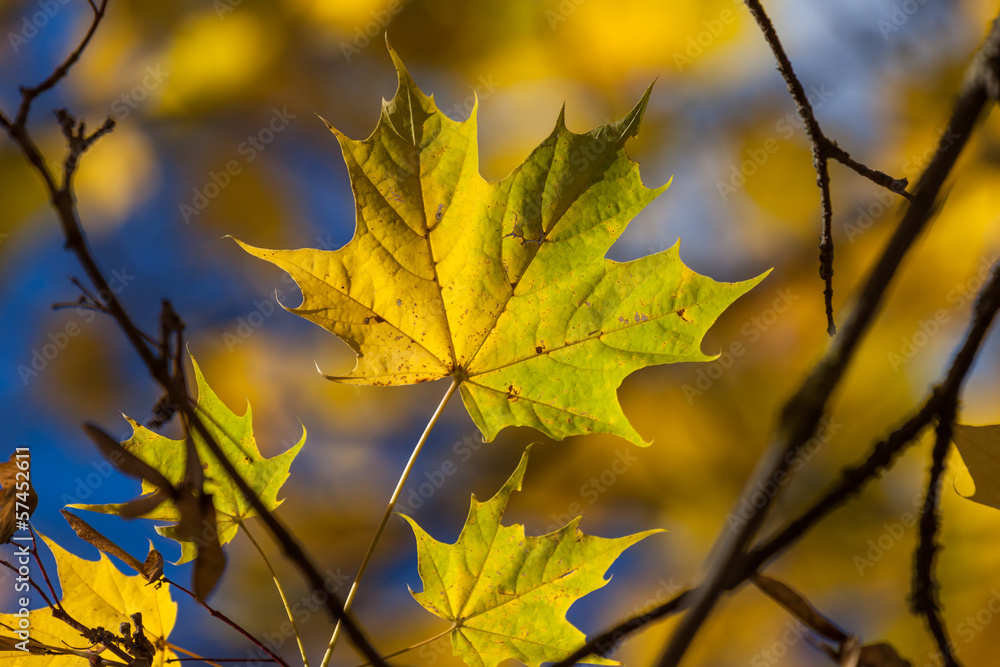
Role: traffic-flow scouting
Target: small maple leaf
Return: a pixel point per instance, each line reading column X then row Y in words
column 98, row 595
column 235, row 436
column 507, row 594
column 502, row 285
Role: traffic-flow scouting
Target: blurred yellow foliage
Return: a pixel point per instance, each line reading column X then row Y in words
column 718, row 102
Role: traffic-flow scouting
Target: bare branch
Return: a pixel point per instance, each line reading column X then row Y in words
column 800, row 416
column 823, row 149
column 157, row 362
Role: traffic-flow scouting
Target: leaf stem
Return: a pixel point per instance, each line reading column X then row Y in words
column 420, row 643
column 388, row 512
column 281, row 593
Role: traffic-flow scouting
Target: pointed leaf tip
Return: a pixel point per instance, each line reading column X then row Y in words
column 148, row 451
column 538, row 345
column 498, row 585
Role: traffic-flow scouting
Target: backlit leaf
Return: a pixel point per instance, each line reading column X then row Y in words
column 96, row 594
column 507, row 594
column 235, row 435
column 502, row 285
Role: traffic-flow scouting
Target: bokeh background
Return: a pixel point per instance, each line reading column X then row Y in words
column 191, row 83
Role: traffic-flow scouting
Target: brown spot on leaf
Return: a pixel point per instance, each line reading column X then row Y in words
column 539, row 349
column 681, row 314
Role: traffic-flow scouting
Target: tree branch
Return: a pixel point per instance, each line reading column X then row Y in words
column 231, row 623
column 823, row 149
column 801, row 415
column 63, row 203
column 852, row 481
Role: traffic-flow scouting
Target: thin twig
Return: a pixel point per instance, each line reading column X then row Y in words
column 388, row 512
column 823, row 149
column 281, row 593
column 228, row 621
column 59, row 612
column 800, row 415
column 852, row 481
column 422, row 642
column 45, row 575
column 63, row 203
column 48, row 603
column 28, row 95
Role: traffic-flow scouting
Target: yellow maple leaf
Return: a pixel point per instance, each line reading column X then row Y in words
column 95, row 594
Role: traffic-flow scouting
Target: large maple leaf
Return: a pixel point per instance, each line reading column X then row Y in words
column 507, row 594
column 235, row 436
column 502, row 285
column 98, row 595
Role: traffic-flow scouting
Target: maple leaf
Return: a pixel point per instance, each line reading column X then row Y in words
column 502, row 285
column 235, row 436
column 96, row 594
column 980, row 450
column 507, row 594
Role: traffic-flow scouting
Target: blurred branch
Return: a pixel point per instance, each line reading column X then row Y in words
column 605, row 643
column 823, row 150
column 852, row 481
column 63, row 203
column 924, row 599
column 801, row 414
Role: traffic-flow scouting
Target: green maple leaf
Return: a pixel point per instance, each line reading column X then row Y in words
column 507, row 594
column 235, row 436
column 980, row 450
column 502, row 285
